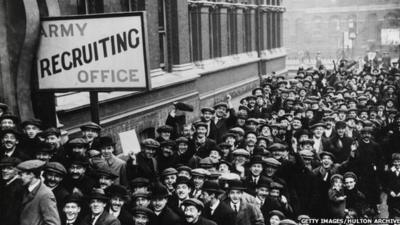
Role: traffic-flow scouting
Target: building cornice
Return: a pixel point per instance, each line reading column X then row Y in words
column 346, row 9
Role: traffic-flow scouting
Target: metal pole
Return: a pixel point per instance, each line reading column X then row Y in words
column 94, row 106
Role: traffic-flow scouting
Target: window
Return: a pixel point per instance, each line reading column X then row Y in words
column 232, row 32
column 162, row 34
column 215, row 32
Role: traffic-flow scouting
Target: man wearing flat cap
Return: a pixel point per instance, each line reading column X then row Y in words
column 214, row 209
column 177, row 118
column 8, row 121
column 10, row 145
column 355, row 199
column 142, row 216
column 224, row 118
column 77, row 180
column 144, row 164
column 54, row 173
column 193, row 209
column 38, row 203
column 12, row 191
column 90, row 131
column 98, row 214
column 201, row 144
column 31, row 128
column 341, row 142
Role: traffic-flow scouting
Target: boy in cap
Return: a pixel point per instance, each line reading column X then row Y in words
column 168, row 178
column 39, row 204
column 8, row 121
column 164, row 133
column 98, row 214
column 31, row 128
column 141, row 199
column 104, row 177
column 193, row 209
column 72, row 206
column 12, row 191
column 215, row 209
column 90, row 131
column 392, row 186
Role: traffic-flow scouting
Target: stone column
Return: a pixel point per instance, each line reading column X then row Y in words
column 240, row 30
column 253, row 28
column 224, row 30
column 205, row 32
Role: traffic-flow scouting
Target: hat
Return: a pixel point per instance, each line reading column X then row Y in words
column 207, row 162
column 3, row 106
column 142, row 210
column 340, row 125
column 229, row 135
column 224, row 145
column 276, row 185
column 79, row 160
column 241, row 152
column 143, row 194
column 78, row 142
column 55, row 167
column 324, row 153
column 184, row 168
column 276, row 213
column 105, row 172
column 44, row 147
column 93, row 153
column 366, row 130
column 221, row 104
column 287, row 222
column 277, row 147
column 194, row 202
column 200, row 172
column 98, row 194
column 396, row 156
column 251, row 97
column 35, row 122
column 9, row 161
column 167, row 143
column 225, row 162
column 31, row 165
column 264, row 182
column 236, row 185
column 117, row 190
column 165, row 128
column 106, row 141
column 256, row 160
column 159, row 191
column 183, row 106
column 351, row 175
column 212, row 186
column 9, row 116
column 237, row 130
column 307, row 141
column 201, row 124
column 336, row 176
column 207, row 109
column 318, row 125
column 51, row 131
column 169, row 171
column 181, row 140
column 150, row 143
column 139, row 182
column 10, row 131
column 252, row 120
column 73, row 198
column 272, row 162
column 92, row 126
column 307, row 154
column 184, row 180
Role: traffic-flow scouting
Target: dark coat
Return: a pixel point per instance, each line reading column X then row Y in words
column 248, row 214
column 223, row 125
column 11, row 202
column 251, row 186
column 392, row 183
column 173, row 203
column 146, row 168
column 18, row 153
column 342, row 148
column 223, row 214
column 336, row 205
column 83, row 185
column 104, row 219
column 202, row 150
column 167, row 217
column 356, row 200
column 60, row 192
column 39, row 207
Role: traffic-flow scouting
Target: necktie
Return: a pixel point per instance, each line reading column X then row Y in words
column 236, row 208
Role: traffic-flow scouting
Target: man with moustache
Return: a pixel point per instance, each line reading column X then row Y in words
column 214, row 209
column 105, row 177
column 98, row 214
column 119, row 196
column 71, row 210
column 52, row 136
column 38, row 203
column 10, row 145
column 90, row 131
column 193, row 209
column 144, row 164
column 163, row 214
column 31, row 128
column 12, row 191
column 183, row 188
column 77, row 181
column 142, row 216
column 201, row 145
column 54, row 174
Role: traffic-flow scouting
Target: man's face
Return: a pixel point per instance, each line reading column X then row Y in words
column 53, row 140
column 44, row 156
column 142, row 202
column 241, row 122
column 159, row 204
column 187, row 131
column 169, row 181
column 141, row 219
column 274, row 193
column 198, row 182
column 270, row 171
column 76, row 171
column 7, row 123
column 366, row 136
column 149, row 152
column 167, row 151
column 107, row 152
column 296, row 124
column 230, row 140
column 256, row 169
column 318, row 131
column 52, row 179
column 363, row 115
column 8, row 172
column 9, row 141
column 105, row 182
column 97, row 206
column 71, row 210
column 266, row 131
column 207, row 116
column 251, row 139
column 116, row 203
column 235, row 196
column 214, row 154
column 182, row 191
column 262, row 192
column 341, row 131
column 326, row 161
column 220, row 111
column 182, row 147
column 26, row 177
column 89, row 134
column 201, row 131
column 191, row 214
column 31, row 130
column 77, row 150
column 278, row 155
column 349, row 183
column 165, row 135
column 205, row 197
column 353, row 114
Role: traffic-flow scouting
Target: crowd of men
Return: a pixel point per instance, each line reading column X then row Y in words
column 325, row 144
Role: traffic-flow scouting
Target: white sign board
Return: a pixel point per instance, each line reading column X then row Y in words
column 129, row 142
column 95, row 52
column 390, row 36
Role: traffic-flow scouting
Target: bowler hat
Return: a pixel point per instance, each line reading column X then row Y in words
column 73, row 198
column 139, row 182
column 159, row 191
column 165, row 128
column 184, row 180
column 106, row 141
column 236, row 185
column 117, row 191
column 212, row 186
column 51, row 131
column 14, row 131
column 98, row 194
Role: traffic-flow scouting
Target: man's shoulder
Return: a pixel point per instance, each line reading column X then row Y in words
column 204, row 221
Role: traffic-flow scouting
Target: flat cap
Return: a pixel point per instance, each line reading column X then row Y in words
column 92, row 126
column 318, row 125
column 169, row 171
column 200, row 172
column 142, row 211
column 182, row 140
column 117, row 190
column 34, row 121
column 51, row 131
column 79, row 160
column 207, row 109
column 277, row 147
column 276, row 185
column 307, row 154
column 184, row 180
column 194, row 202
column 105, row 172
column 14, row 131
column 277, row 213
column 325, row 153
column 3, row 106
column 201, row 124
column 168, row 143
column 396, row 156
column 77, row 142
column 31, row 165
column 106, row 141
column 140, row 182
column 55, row 167
column 221, row 104
column 351, row 175
column 272, row 162
column 184, row 168
column 150, row 143
column 212, row 186
column 10, row 161
column 165, row 128
column 287, row 222
column 241, row 152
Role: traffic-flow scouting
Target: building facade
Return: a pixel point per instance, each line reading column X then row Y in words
column 199, row 51
column 337, row 27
